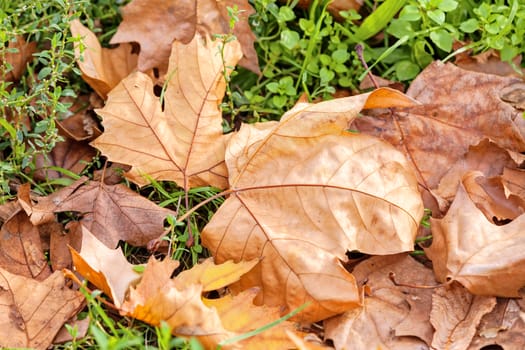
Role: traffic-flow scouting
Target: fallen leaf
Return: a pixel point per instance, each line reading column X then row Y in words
column 111, row 212
column 460, row 108
column 488, row 195
column 60, row 241
column 303, row 192
column 155, row 25
column 455, row 315
column 485, row 258
column 370, row 327
column 213, row 277
column 21, row 250
column 487, row 62
column 514, row 182
column 68, row 154
column 18, row 60
column 393, row 315
column 486, row 157
column 503, row 327
column 238, row 314
column 32, row 312
column 81, row 126
column 106, row 268
column 184, row 143
column 8, row 209
column 101, row 68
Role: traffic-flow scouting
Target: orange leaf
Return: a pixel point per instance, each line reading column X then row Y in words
column 184, row 143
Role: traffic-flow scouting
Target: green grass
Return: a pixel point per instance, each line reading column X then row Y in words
column 301, row 52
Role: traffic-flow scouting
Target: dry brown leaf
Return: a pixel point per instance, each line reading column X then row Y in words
column 514, row 182
column 21, row 250
column 370, row 327
column 17, row 60
column 488, row 62
column 503, row 326
column 155, row 25
column 455, row 315
column 485, row 258
column 106, row 268
column 101, row 68
column 179, row 303
column 59, row 242
column 8, row 209
column 486, row 157
column 111, row 212
column 69, row 154
column 303, row 192
column 184, row 143
column 393, row 315
column 32, row 312
column 488, row 195
column 460, row 109
column 81, row 126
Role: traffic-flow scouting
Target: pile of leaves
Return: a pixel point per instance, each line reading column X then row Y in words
column 303, row 195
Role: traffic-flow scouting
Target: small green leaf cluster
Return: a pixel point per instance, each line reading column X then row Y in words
column 31, row 106
column 426, row 30
column 299, row 52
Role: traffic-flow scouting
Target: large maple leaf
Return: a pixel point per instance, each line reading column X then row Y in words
column 303, row 192
column 184, row 142
column 156, row 24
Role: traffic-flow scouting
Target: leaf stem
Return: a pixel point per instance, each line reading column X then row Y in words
column 204, row 202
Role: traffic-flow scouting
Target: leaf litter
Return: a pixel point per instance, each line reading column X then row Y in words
column 301, row 194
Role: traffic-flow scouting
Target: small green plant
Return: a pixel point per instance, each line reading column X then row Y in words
column 426, row 30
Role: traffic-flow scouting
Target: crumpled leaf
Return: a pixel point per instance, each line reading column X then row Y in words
column 111, row 212
column 155, row 25
column 485, row 258
column 32, row 312
column 503, row 326
column 392, row 316
column 303, row 192
column 184, row 143
column 21, row 250
column 101, row 68
column 486, row 157
column 455, row 315
column 178, row 301
column 106, row 268
column 460, row 108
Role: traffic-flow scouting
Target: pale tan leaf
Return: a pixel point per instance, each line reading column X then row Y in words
column 455, row 315
column 32, row 312
column 485, row 258
column 106, row 268
column 101, row 68
column 304, row 192
column 184, row 143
